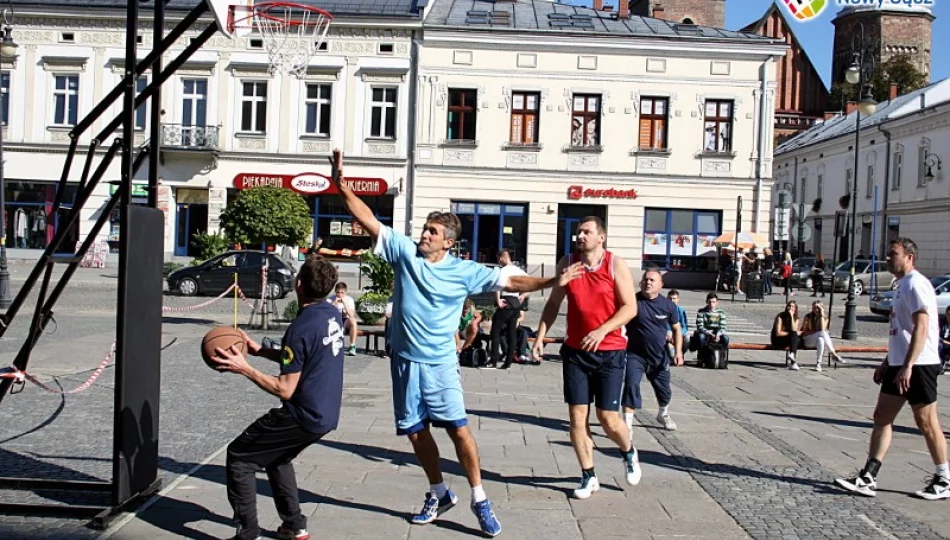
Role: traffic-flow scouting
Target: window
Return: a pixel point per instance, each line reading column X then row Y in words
column 718, row 126
column 386, row 48
column 821, row 185
column 585, row 128
column 317, row 115
column 65, row 100
column 333, row 223
column 804, row 189
column 922, row 165
column 524, row 118
column 142, row 110
column 869, row 191
column 653, row 123
column 194, row 111
column 254, row 107
column 898, row 162
column 678, row 239
column 490, row 226
column 4, row 97
column 462, row 114
column 383, row 114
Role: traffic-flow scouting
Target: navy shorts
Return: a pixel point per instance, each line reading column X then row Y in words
column 658, row 373
column 593, row 377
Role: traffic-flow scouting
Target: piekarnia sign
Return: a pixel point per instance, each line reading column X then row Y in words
column 580, row 192
column 310, row 183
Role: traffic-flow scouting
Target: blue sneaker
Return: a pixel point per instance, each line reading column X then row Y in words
column 433, row 507
column 486, row 518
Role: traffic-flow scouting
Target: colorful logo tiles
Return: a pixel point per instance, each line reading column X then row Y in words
column 804, row 10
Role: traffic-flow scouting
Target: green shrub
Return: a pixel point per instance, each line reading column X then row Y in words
column 380, row 273
column 487, row 312
column 170, row 267
column 291, row 310
column 209, row 245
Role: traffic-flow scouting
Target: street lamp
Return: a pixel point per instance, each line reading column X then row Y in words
column 858, row 73
column 7, row 50
column 931, row 161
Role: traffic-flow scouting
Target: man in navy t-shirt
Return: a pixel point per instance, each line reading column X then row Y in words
column 647, row 352
column 310, row 387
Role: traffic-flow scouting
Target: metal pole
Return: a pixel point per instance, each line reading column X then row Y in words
column 834, row 264
column 735, row 245
column 6, row 297
column 158, row 27
column 850, row 329
column 874, row 288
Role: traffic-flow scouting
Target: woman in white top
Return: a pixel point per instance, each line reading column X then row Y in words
column 815, row 333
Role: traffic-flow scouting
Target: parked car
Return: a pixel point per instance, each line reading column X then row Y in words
column 215, row 275
column 865, row 276
column 801, row 273
column 881, row 302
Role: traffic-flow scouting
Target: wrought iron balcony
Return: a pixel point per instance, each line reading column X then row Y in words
column 190, row 137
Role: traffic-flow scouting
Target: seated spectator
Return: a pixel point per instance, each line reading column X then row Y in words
column 786, row 332
column 710, row 337
column 469, row 325
column 944, row 343
column 347, row 307
column 815, row 333
column 674, row 296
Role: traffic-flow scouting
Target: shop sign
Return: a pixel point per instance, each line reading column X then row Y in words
column 580, row 192
column 138, row 190
column 311, row 183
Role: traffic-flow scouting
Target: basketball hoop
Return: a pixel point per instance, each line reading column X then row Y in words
column 291, row 32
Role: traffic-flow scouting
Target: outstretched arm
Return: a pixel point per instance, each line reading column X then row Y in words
column 551, row 307
column 363, row 214
column 562, row 276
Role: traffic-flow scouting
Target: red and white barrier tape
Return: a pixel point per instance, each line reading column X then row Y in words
column 203, row 304
column 20, row 375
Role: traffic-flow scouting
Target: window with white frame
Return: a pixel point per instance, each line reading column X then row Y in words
column 718, row 126
column 849, row 174
column 804, row 188
column 869, row 187
column 65, row 100
column 585, row 127
column 142, row 110
column 383, row 113
column 821, row 186
column 921, row 165
column 4, row 97
column 317, row 110
column 898, row 169
column 254, row 107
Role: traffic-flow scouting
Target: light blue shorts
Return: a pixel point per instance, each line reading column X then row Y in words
column 427, row 393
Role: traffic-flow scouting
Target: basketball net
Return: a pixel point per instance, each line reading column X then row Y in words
column 291, row 36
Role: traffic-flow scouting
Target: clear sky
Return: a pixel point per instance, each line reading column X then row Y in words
column 817, row 35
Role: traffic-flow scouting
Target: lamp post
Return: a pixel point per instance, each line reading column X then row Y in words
column 7, row 50
column 858, row 73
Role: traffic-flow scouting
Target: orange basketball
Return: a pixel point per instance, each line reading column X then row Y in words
column 221, row 337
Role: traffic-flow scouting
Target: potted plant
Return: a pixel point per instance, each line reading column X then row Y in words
column 371, row 306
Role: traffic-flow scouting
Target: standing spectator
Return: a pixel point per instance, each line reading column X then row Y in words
column 506, row 317
column 818, row 276
column 768, row 264
column 907, row 375
column 787, row 274
column 786, row 332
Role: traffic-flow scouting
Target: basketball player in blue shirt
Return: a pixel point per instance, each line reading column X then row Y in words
column 431, row 286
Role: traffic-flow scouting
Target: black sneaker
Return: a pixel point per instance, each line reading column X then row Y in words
column 938, row 487
column 861, row 483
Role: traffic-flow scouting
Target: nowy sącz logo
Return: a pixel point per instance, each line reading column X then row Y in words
column 806, row 10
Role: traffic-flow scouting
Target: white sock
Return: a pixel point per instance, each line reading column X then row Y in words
column 943, row 470
column 664, row 410
column 628, row 418
column 438, row 490
column 478, row 494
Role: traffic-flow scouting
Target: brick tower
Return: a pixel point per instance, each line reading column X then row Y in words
column 701, row 12
column 895, row 29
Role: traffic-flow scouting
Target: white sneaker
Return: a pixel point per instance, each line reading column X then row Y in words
column 863, row 484
column 666, row 421
column 632, row 469
column 588, row 486
column 937, row 488
column 793, row 366
column 839, row 360
column 818, row 366
column 791, row 357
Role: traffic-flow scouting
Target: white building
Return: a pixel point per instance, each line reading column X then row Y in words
column 532, row 115
column 228, row 122
column 905, row 139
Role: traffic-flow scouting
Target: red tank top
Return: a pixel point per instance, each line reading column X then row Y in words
column 591, row 300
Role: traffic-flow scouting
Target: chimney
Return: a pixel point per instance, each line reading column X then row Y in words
column 658, row 11
column 895, row 91
column 624, row 9
column 608, row 9
column 851, row 107
column 830, row 114
column 598, row 5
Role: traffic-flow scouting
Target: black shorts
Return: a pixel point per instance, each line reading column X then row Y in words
column 923, row 384
column 593, row 377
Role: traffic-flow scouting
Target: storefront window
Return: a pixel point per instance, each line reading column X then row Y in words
column 680, row 240
column 488, row 227
column 336, row 228
column 28, row 224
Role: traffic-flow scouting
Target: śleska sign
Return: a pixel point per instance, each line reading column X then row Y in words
column 310, row 183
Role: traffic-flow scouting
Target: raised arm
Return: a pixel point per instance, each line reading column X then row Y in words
column 363, row 214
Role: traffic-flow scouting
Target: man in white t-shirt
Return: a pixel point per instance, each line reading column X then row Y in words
column 504, row 323
column 347, row 307
column 908, row 374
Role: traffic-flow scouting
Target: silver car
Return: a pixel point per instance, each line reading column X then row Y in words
column 865, row 277
column 881, row 302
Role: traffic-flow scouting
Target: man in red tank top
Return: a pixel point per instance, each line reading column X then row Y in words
column 599, row 305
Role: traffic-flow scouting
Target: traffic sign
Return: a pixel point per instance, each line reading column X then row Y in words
column 806, row 233
column 783, row 198
column 783, row 220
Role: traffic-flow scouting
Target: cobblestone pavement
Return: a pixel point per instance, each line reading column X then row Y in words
column 755, row 453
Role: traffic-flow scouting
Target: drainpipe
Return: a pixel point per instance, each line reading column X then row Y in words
column 411, row 138
column 887, row 189
column 763, row 141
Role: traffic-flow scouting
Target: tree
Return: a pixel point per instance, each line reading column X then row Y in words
column 897, row 69
column 267, row 214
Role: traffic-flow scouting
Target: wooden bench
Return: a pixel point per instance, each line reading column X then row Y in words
column 831, row 359
column 375, row 334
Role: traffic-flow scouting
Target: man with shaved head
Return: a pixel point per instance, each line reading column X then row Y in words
column 647, row 351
